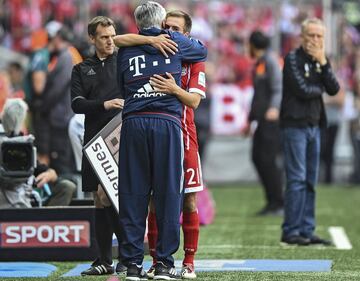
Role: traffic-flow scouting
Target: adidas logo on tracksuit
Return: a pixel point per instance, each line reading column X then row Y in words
column 91, row 72
column 147, row 91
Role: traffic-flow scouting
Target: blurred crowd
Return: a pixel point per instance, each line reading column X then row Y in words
column 31, row 26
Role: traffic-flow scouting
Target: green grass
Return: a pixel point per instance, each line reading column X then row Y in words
column 252, row 237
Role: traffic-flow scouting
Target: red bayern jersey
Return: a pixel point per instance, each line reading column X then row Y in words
column 192, row 81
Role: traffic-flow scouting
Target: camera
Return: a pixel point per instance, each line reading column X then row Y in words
column 17, row 156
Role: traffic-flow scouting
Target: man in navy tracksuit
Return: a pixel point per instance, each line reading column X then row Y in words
column 151, row 148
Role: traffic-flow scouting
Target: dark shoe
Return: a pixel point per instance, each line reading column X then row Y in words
column 99, row 269
column 271, row 211
column 120, row 269
column 276, row 212
column 263, row 212
column 317, row 240
column 295, row 240
column 135, row 273
column 164, row 272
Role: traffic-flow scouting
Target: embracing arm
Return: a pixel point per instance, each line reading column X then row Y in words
column 190, row 50
column 169, row 86
column 161, row 42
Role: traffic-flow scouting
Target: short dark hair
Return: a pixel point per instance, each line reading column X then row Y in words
column 16, row 65
column 259, row 40
column 185, row 16
column 102, row 20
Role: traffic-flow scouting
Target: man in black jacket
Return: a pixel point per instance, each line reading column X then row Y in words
column 267, row 79
column 94, row 92
column 307, row 75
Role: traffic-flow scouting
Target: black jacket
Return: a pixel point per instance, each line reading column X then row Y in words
column 304, row 82
column 92, row 82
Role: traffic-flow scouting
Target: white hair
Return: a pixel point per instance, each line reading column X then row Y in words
column 149, row 14
column 13, row 116
column 308, row 21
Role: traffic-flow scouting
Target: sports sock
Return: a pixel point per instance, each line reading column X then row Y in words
column 190, row 228
column 152, row 235
column 103, row 232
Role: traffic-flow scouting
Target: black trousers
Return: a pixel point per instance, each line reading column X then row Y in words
column 266, row 156
column 328, row 138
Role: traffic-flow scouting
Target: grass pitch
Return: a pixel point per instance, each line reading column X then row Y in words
column 238, row 234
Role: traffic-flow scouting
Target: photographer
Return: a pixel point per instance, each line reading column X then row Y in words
column 16, row 184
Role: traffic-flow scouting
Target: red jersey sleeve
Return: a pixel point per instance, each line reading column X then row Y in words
column 197, row 81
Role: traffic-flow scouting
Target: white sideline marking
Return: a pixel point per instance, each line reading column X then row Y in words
column 260, row 247
column 340, row 238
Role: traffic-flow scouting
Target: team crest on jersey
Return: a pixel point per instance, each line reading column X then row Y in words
column 183, row 71
column 202, row 79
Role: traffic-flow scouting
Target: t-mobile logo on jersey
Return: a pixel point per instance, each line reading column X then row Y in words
column 136, row 64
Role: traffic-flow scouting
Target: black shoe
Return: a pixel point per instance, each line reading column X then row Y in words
column 317, row 240
column 120, row 269
column 276, row 212
column 164, row 272
column 295, row 240
column 99, row 269
column 135, row 273
column 263, row 212
column 271, row 211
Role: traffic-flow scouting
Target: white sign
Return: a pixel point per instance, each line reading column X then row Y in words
column 106, row 168
column 102, row 151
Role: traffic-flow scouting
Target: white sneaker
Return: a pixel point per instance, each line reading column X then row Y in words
column 151, row 272
column 188, row 272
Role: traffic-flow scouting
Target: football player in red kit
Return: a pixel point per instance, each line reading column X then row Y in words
column 190, row 94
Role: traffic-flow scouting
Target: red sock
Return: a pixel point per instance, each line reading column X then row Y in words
column 152, row 235
column 190, row 228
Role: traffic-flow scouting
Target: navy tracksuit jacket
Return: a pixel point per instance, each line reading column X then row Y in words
column 151, row 146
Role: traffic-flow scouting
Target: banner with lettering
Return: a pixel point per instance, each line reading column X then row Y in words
column 103, row 154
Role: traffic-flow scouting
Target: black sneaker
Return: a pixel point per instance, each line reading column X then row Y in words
column 164, row 272
column 135, row 273
column 317, row 240
column 295, row 240
column 120, row 269
column 99, row 269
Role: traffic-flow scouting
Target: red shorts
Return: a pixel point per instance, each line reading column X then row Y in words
column 193, row 173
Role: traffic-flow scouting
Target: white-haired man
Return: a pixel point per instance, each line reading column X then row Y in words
column 307, row 75
column 151, row 150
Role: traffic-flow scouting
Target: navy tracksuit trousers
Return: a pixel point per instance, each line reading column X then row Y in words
column 150, row 162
